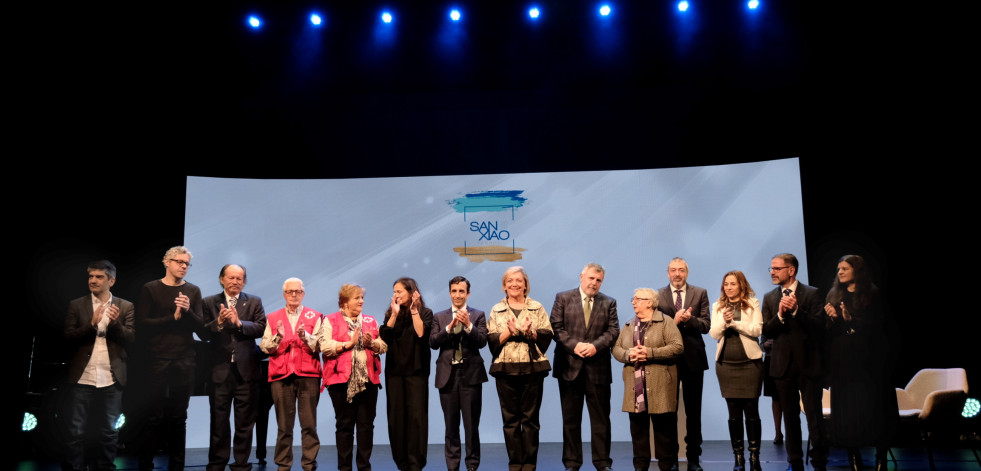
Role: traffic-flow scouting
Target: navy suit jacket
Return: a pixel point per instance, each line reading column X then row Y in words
column 797, row 342
column 473, row 364
column 232, row 338
column 81, row 336
column 691, row 332
column 569, row 327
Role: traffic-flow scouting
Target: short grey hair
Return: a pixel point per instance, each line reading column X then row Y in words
column 593, row 266
column 291, row 280
column 175, row 251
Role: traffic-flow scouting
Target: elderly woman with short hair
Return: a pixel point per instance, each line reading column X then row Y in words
column 649, row 346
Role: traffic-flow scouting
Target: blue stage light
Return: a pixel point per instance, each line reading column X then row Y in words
column 752, row 4
column 605, row 10
column 386, row 17
column 254, row 22
column 315, row 19
column 455, row 14
column 682, row 5
column 533, row 13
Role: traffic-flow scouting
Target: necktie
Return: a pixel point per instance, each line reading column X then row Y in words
column 231, row 305
column 587, row 308
column 458, row 354
column 677, row 300
column 786, row 292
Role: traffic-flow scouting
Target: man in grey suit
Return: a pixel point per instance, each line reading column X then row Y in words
column 689, row 307
column 586, row 326
column 794, row 318
column 99, row 329
column 459, row 333
column 232, row 322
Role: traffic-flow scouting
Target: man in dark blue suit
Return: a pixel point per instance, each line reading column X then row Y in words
column 794, row 318
column 459, row 333
column 586, row 326
column 232, row 322
column 689, row 305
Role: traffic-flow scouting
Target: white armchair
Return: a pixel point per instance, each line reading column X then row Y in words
column 933, row 393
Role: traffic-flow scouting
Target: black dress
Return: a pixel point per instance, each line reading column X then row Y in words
column 864, row 410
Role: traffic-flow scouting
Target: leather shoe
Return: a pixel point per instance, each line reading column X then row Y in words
column 571, row 469
column 694, row 466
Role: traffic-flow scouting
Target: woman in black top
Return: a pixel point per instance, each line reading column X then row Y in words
column 864, row 411
column 406, row 331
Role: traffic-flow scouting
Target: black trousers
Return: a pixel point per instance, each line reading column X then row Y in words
column 597, row 398
column 665, row 439
column 408, row 420
column 792, row 389
column 169, row 384
column 459, row 400
column 96, row 408
column 244, row 396
column 691, row 393
column 358, row 414
column 521, row 402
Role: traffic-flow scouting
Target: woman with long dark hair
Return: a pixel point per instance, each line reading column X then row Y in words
column 406, row 332
column 737, row 322
column 863, row 403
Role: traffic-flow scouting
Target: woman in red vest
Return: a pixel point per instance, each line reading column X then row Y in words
column 350, row 343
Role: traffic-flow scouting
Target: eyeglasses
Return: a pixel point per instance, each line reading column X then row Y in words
column 773, row 269
column 292, row 292
column 641, row 299
column 180, row 262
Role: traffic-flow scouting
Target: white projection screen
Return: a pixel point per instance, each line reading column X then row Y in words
column 372, row 231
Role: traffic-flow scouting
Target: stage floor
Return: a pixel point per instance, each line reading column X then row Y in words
column 716, row 456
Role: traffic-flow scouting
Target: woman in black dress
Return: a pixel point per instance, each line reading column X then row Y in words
column 863, row 403
column 406, row 332
column 737, row 322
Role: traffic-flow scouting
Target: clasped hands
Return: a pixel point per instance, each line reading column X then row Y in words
column 228, row 314
column 833, row 314
column 637, row 354
column 112, row 312
column 183, row 303
column 523, row 326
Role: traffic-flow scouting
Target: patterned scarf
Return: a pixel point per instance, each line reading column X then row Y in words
column 640, row 382
column 359, row 363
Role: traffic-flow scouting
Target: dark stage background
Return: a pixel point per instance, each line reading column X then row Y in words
column 114, row 106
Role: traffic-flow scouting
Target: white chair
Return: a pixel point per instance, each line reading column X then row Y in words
column 932, row 399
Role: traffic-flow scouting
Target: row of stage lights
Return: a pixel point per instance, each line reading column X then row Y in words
column 455, row 14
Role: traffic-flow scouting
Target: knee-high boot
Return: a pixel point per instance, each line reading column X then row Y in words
column 736, row 438
column 754, row 433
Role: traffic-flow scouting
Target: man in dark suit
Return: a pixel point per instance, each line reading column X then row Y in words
column 586, row 326
column 792, row 317
column 99, row 328
column 459, row 333
column 689, row 307
column 232, row 322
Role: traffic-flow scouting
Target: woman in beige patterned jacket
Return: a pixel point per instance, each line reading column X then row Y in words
column 518, row 334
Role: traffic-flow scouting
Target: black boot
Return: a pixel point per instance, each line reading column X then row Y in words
column 736, row 437
column 754, row 433
column 881, row 459
column 854, row 459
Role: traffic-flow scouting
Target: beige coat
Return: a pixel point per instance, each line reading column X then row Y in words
column 663, row 342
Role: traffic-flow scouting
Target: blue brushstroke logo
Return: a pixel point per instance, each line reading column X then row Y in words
column 488, row 201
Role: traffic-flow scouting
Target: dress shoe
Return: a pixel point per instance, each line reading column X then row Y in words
column 778, row 441
column 571, row 469
column 694, row 466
